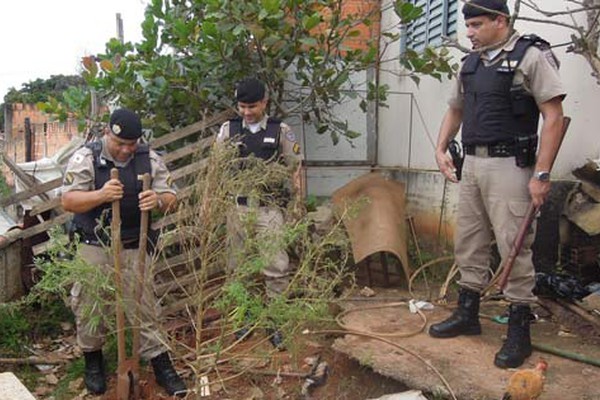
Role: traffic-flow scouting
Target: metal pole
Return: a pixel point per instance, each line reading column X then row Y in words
column 29, row 138
column 120, row 34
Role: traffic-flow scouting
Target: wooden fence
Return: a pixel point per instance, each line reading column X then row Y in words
column 181, row 266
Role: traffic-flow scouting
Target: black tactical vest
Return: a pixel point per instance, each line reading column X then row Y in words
column 263, row 144
column 95, row 224
column 494, row 109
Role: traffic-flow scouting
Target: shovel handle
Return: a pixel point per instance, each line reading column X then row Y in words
column 517, row 244
column 116, row 249
column 143, row 242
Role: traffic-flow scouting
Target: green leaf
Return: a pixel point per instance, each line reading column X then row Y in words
column 210, row 28
column 407, row 12
column 322, row 129
column 309, row 41
column 309, row 22
column 270, row 6
column 352, row 134
column 335, row 138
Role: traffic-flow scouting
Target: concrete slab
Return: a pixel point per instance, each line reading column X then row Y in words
column 11, row 388
column 465, row 362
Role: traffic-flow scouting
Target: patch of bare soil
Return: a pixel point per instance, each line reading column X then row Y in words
column 273, row 377
column 255, row 372
column 467, row 362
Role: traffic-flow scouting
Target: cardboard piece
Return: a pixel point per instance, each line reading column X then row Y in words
column 376, row 221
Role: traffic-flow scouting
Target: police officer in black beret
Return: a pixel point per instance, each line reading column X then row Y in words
column 255, row 133
column 88, row 191
column 505, row 83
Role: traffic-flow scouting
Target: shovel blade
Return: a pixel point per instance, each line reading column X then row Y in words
column 128, row 383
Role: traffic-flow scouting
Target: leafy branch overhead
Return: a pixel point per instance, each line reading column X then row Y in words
column 308, row 53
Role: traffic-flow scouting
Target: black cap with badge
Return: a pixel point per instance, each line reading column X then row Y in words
column 489, row 6
column 126, row 124
column 250, row 90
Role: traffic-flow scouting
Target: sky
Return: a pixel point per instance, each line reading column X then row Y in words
column 40, row 38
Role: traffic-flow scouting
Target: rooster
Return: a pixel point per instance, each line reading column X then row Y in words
column 526, row 384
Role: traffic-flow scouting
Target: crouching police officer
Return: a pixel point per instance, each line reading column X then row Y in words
column 504, row 85
column 257, row 134
column 88, row 191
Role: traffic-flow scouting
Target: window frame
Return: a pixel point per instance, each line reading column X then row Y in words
column 427, row 23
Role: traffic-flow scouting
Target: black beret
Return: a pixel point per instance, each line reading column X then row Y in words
column 126, row 124
column 470, row 11
column 250, row 90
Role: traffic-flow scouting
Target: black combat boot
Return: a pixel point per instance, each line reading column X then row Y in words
column 463, row 321
column 94, row 375
column 167, row 377
column 518, row 342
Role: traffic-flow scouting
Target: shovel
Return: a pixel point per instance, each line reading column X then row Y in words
column 529, row 217
column 128, row 369
column 517, row 244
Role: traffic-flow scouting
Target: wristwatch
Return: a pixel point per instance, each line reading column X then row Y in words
column 542, row 176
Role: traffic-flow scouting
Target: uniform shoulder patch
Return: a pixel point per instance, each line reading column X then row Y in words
column 551, row 58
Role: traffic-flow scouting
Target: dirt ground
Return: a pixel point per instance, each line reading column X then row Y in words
column 346, row 380
column 363, row 367
column 466, row 362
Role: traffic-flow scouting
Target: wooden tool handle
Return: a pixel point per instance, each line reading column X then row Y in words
column 141, row 276
column 517, row 244
column 116, row 249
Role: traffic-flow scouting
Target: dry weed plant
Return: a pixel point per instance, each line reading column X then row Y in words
column 194, row 283
column 237, row 296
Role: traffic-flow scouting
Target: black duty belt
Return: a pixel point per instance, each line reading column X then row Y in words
column 493, row 150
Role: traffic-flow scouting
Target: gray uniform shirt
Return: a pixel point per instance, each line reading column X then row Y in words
column 79, row 174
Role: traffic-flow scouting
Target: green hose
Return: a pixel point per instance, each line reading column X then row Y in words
column 565, row 354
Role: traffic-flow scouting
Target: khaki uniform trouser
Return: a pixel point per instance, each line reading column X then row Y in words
column 268, row 227
column 493, row 199
column 88, row 308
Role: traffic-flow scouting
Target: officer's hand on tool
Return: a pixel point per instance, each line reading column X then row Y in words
column 148, row 200
column 446, row 165
column 112, row 190
column 539, row 191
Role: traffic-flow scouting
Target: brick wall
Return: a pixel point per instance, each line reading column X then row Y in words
column 358, row 9
column 46, row 143
column 371, row 8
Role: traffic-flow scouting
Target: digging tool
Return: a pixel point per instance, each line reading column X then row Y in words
column 529, row 216
column 517, row 244
column 143, row 242
column 127, row 369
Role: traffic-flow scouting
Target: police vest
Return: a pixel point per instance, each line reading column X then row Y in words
column 495, row 110
column 263, row 144
column 93, row 225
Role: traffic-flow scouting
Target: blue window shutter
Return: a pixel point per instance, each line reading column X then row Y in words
column 439, row 19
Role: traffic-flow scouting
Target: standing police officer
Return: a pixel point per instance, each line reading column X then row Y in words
column 255, row 133
column 88, row 191
column 504, row 84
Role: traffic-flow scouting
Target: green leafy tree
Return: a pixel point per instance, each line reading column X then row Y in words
column 192, row 54
column 43, row 89
column 39, row 91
